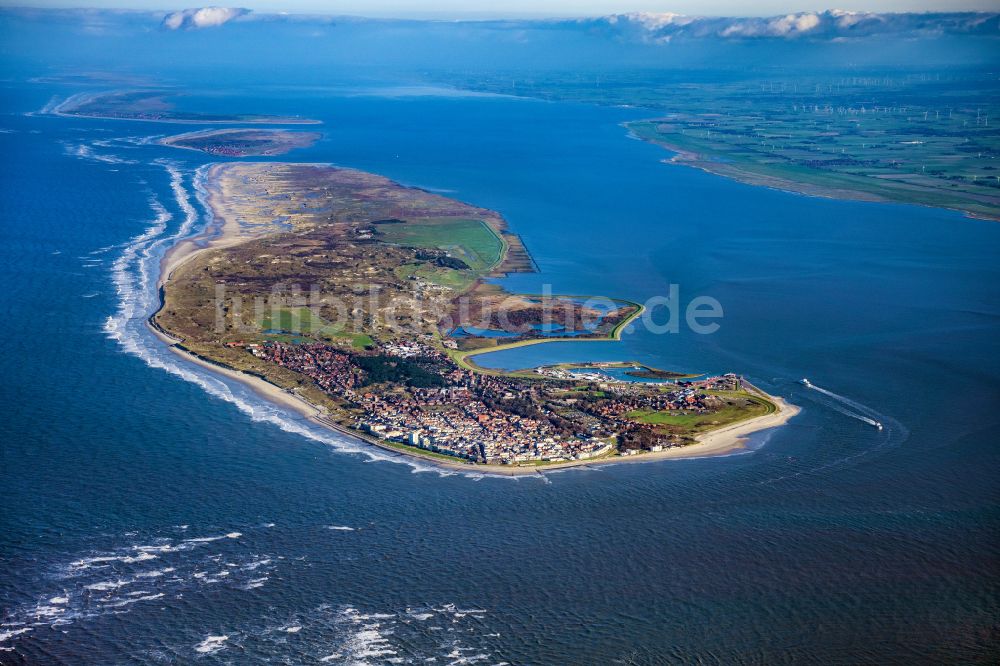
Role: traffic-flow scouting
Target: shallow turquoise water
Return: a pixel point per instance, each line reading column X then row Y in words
column 829, row 541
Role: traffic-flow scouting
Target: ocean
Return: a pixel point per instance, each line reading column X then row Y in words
column 153, row 512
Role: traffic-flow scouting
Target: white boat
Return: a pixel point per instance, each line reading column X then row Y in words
column 805, row 382
column 872, row 422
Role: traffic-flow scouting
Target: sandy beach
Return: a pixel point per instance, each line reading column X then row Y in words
column 219, row 233
column 721, row 442
column 223, row 231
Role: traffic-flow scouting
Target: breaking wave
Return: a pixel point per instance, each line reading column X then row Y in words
column 87, row 152
column 170, row 569
column 111, row 581
column 347, row 635
column 135, row 274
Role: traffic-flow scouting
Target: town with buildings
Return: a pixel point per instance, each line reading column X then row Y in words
column 412, row 394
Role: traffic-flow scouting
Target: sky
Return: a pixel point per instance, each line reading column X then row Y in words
column 532, row 8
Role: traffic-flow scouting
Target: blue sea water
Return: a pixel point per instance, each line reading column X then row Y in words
column 153, row 513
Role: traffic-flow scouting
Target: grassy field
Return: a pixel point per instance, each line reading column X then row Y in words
column 444, row 277
column 293, row 320
column 742, row 406
column 297, row 323
column 472, row 241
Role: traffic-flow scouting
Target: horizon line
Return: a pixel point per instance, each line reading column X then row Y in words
column 450, row 16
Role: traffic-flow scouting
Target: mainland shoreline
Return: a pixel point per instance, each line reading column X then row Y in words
column 689, row 158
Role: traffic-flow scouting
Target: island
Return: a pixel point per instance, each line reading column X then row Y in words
column 239, row 142
column 156, row 105
column 363, row 303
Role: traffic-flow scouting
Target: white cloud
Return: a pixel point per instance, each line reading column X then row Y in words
column 834, row 24
column 845, row 19
column 653, row 21
column 205, row 17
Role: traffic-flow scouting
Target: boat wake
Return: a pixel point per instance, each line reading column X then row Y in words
column 846, row 406
column 888, row 432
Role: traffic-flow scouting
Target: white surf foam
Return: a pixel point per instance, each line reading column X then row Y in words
column 231, row 535
column 86, row 152
column 49, row 107
column 135, row 273
column 358, row 637
column 128, row 602
column 156, row 573
column 7, row 635
column 114, row 581
column 256, row 564
column 211, row 644
column 255, row 583
column 88, row 562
